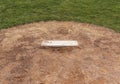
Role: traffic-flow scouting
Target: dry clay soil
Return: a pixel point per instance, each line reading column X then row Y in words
column 95, row 61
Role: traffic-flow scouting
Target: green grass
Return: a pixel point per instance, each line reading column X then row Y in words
column 100, row 12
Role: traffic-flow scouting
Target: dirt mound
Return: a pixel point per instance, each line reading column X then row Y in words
column 24, row 61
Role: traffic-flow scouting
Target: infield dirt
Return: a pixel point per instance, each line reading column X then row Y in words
column 24, row 61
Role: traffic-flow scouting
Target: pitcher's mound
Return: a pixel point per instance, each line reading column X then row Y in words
column 24, row 61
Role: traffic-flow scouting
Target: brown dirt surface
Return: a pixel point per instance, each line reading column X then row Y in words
column 24, row 61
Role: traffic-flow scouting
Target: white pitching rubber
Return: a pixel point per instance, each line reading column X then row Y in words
column 59, row 43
